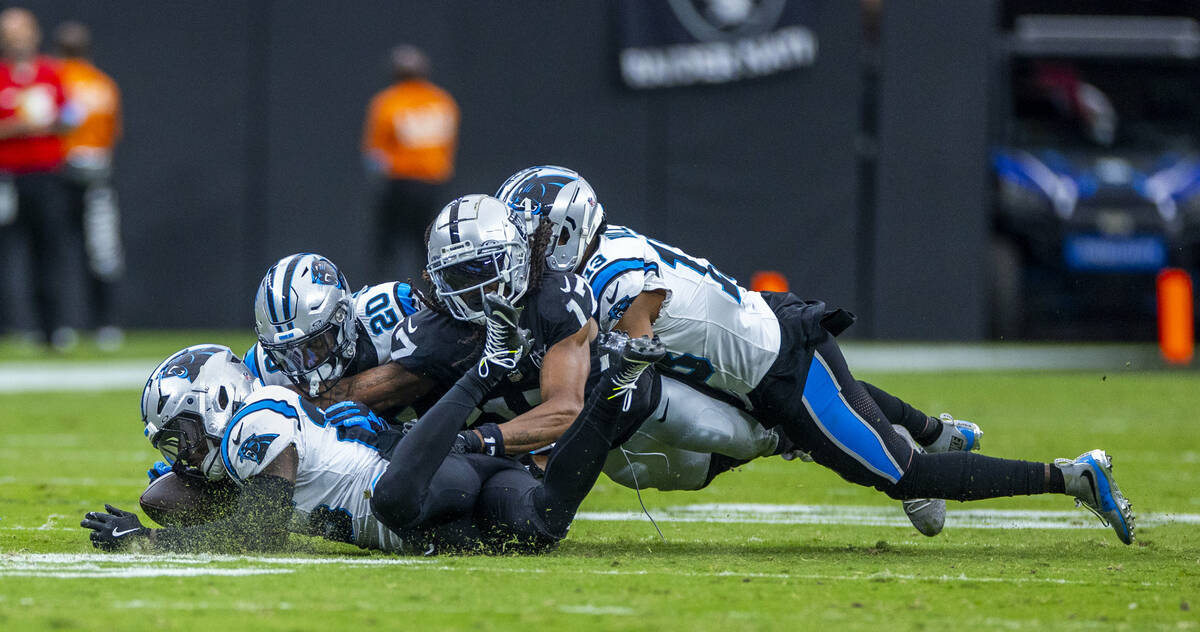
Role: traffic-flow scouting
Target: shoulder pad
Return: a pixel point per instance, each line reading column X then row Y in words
column 264, row 427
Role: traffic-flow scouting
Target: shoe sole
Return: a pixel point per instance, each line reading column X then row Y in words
column 927, row 515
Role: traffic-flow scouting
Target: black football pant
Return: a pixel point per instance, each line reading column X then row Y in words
column 404, row 209
column 41, row 222
column 457, row 502
column 835, row 420
column 92, row 207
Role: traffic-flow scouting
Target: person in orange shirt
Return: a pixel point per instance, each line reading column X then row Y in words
column 409, row 140
column 94, row 102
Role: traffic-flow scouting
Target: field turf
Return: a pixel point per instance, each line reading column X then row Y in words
column 62, row 454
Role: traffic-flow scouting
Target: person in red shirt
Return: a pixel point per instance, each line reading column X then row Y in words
column 409, row 139
column 32, row 202
column 95, row 102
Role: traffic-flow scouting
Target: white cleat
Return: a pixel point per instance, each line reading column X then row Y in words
column 1090, row 480
column 928, row 515
column 957, row 436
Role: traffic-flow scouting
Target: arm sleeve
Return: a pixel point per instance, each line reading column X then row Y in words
column 258, row 524
column 435, row 346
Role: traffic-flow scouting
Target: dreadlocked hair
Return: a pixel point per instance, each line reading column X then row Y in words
column 539, row 248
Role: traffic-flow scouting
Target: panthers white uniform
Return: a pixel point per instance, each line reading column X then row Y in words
column 334, row 478
column 715, row 331
column 377, row 311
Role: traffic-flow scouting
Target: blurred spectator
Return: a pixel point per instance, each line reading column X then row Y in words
column 32, row 205
column 410, row 137
column 95, row 102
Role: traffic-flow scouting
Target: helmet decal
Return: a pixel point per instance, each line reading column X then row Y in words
column 325, row 273
column 187, row 364
column 537, row 194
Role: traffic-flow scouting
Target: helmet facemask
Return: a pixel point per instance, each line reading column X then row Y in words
column 317, row 360
column 304, row 318
column 184, row 444
column 462, row 274
column 187, row 405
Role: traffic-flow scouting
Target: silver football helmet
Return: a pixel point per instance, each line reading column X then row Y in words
column 476, row 246
column 304, row 318
column 562, row 197
column 187, row 404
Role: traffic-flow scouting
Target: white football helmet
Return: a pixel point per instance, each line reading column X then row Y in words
column 303, row 315
column 188, row 402
column 477, row 245
column 563, row 198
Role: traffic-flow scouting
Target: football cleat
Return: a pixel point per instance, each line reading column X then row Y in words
column 506, row 342
column 630, row 357
column 928, row 515
column 1090, row 480
column 957, row 436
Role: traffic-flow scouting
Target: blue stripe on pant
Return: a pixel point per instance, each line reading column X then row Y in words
column 842, row 425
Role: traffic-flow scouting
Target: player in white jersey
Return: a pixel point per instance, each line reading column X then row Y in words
column 784, row 362
column 312, row 331
column 324, row 473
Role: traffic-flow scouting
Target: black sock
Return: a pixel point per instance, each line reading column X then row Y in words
column 720, row 464
column 1056, row 484
column 970, row 476
column 579, row 456
column 923, row 428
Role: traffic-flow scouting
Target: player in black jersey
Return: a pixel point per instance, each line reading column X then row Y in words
column 476, row 245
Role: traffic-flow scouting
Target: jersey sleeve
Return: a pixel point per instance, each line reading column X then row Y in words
column 565, row 303
column 258, row 434
column 616, row 278
column 379, row 308
column 435, row 346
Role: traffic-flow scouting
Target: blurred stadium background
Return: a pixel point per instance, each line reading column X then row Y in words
column 872, row 152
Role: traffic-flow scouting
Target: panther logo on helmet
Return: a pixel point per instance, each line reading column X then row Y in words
column 187, row 365
column 325, row 273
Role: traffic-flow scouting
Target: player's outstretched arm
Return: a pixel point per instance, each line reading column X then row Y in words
column 388, row 385
column 258, row 524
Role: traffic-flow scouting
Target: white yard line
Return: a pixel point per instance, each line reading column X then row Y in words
column 742, row 513
column 875, row 516
column 29, row 377
column 100, row 565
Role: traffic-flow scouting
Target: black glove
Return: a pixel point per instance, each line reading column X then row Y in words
column 113, row 530
column 467, row 442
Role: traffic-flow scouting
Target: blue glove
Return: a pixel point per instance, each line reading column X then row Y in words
column 350, row 414
column 158, row 469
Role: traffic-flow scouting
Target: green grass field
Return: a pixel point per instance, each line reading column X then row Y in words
column 62, row 454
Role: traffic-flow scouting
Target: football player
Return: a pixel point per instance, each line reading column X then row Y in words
column 777, row 353
column 477, row 244
column 296, row 465
column 312, row 330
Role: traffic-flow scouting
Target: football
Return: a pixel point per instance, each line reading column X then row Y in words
column 179, row 501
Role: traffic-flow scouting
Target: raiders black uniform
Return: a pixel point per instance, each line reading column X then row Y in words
column 439, row 347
